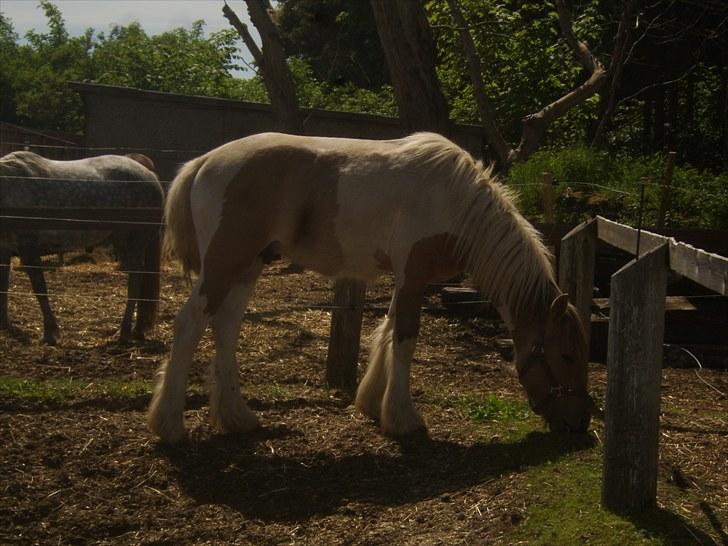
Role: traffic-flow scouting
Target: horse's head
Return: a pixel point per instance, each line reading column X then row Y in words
column 551, row 358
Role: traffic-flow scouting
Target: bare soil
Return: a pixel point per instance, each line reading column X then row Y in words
column 86, row 470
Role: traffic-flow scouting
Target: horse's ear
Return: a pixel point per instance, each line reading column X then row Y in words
column 558, row 306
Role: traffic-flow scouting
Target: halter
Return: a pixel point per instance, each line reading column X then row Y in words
column 557, row 391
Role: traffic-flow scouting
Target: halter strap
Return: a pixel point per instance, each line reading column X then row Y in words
column 556, row 391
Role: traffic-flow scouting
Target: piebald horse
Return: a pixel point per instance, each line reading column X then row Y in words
column 419, row 207
column 29, row 181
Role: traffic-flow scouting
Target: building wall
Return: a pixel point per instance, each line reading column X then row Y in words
column 173, row 128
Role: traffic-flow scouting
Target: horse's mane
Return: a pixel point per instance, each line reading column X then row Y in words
column 503, row 252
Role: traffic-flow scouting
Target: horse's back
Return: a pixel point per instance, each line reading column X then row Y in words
column 335, row 205
column 28, row 180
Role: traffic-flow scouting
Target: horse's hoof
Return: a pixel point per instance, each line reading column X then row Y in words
column 172, row 436
column 170, row 430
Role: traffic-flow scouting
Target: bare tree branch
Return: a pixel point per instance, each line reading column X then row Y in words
column 242, row 29
column 485, row 109
column 614, row 73
column 272, row 62
column 535, row 125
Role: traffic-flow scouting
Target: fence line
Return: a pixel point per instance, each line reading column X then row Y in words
column 24, row 145
column 316, row 306
column 78, row 220
column 89, row 180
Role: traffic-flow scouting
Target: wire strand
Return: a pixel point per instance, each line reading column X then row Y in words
column 75, row 220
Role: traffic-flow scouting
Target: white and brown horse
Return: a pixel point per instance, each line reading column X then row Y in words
column 29, row 181
column 419, row 207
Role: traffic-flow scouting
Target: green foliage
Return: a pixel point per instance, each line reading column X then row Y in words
column 34, row 77
column 525, row 62
column 340, row 98
column 591, row 181
column 350, row 55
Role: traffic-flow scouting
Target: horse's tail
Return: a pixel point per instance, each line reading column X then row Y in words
column 149, row 284
column 180, row 240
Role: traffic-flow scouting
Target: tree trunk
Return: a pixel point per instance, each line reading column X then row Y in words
column 410, row 53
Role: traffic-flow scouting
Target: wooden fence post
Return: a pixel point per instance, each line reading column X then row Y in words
column 665, row 194
column 576, row 269
column 634, row 370
column 547, row 184
column 346, row 319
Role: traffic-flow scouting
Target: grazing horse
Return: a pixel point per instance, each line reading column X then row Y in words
column 419, row 207
column 28, row 180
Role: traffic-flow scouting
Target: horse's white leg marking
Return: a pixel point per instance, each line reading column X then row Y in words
column 165, row 417
column 371, row 388
column 132, row 294
column 384, row 393
column 228, row 410
column 399, row 415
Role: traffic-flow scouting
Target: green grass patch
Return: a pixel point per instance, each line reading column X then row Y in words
column 59, row 390
column 565, row 508
column 492, row 408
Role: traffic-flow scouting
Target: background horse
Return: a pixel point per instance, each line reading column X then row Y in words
column 419, row 207
column 28, row 180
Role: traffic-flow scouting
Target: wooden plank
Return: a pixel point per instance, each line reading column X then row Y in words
column 346, row 318
column 710, row 270
column 672, row 303
column 576, row 269
column 625, row 237
column 705, row 268
column 634, row 370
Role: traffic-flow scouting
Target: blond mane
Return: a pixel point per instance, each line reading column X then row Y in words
column 503, row 252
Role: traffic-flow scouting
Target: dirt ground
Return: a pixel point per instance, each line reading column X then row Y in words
column 86, row 470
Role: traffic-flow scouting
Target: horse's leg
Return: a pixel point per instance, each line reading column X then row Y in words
column 130, row 259
column 399, row 417
column 132, row 294
column 4, row 288
column 31, row 258
column 384, row 391
column 165, row 417
column 371, row 388
column 228, row 410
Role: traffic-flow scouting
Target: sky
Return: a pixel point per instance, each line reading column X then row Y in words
column 155, row 16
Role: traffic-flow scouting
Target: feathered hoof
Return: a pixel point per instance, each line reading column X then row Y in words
column 239, row 421
column 165, row 421
column 406, row 423
column 169, row 431
column 368, row 406
column 50, row 337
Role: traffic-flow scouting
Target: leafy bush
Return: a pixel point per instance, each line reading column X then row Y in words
column 590, row 182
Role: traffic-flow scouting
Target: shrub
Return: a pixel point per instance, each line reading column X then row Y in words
column 590, row 182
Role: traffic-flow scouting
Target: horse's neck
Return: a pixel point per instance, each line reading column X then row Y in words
column 505, row 256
